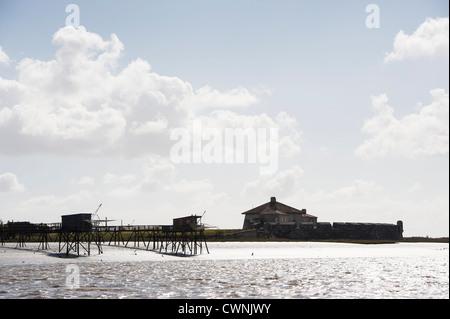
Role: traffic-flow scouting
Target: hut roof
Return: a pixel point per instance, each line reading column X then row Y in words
column 276, row 208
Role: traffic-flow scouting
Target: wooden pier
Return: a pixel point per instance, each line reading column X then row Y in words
column 78, row 233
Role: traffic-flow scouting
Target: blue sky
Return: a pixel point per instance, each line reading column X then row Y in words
column 315, row 63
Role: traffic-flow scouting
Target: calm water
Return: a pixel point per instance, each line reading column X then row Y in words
column 233, row 270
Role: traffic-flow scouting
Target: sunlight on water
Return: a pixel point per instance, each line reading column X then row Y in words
column 234, row 270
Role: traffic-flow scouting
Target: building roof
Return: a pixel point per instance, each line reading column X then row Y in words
column 77, row 214
column 276, row 208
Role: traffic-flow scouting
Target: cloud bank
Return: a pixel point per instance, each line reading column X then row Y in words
column 425, row 133
column 4, row 58
column 10, row 183
column 431, row 39
column 82, row 104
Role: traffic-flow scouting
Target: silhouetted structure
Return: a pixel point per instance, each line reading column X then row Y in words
column 78, row 232
column 275, row 213
column 22, row 232
column 280, row 220
column 77, row 222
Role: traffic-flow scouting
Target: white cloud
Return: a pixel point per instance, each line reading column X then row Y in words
column 114, row 179
column 80, row 104
column 157, row 126
column 430, row 39
column 284, row 182
column 366, row 201
column 85, row 180
column 185, row 186
column 416, row 187
column 5, row 115
column 4, row 58
column 289, row 135
column 357, row 189
column 159, row 175
column 425, row 133
column 207, row 97
column 10, row 183
column 158, row 172
column 53, row 206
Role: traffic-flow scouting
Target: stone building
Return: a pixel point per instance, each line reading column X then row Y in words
column 279, row 220
column 275, row 215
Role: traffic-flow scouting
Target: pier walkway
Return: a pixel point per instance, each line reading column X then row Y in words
column 182, row 240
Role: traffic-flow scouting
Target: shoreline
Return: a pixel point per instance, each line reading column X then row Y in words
column 224, row 238
column 444, row 240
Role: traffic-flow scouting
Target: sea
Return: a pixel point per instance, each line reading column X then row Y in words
column 231, row 270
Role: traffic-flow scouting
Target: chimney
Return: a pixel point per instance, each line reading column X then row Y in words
column 273, row 201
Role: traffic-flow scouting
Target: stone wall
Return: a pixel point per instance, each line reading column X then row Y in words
column 369, row 231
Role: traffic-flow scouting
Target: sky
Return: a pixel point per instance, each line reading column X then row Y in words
column 129, row 103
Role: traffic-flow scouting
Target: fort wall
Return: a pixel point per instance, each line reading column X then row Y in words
column 369, row 231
